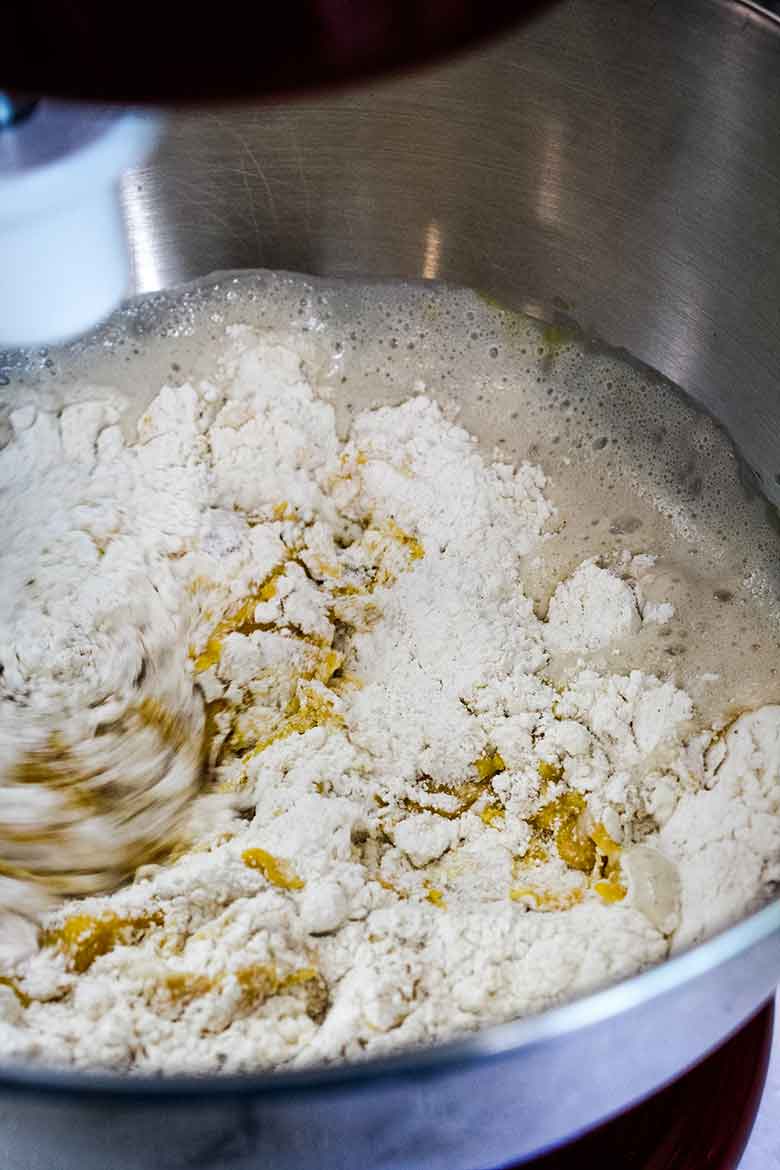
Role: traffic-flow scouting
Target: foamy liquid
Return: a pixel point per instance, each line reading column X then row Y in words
column 633, row 467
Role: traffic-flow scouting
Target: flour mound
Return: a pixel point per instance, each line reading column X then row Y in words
column 408, row 831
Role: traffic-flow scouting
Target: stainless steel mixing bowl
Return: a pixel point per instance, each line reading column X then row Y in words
column 616, row 162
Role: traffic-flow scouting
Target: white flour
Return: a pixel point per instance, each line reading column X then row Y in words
column 410, row 831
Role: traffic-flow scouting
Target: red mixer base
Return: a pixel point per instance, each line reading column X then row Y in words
column 701, row 1121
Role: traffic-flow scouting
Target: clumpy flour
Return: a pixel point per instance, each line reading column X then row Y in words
column 475, row 740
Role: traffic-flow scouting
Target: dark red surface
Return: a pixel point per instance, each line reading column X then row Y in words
column 700, row 1122
column 179, row 51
